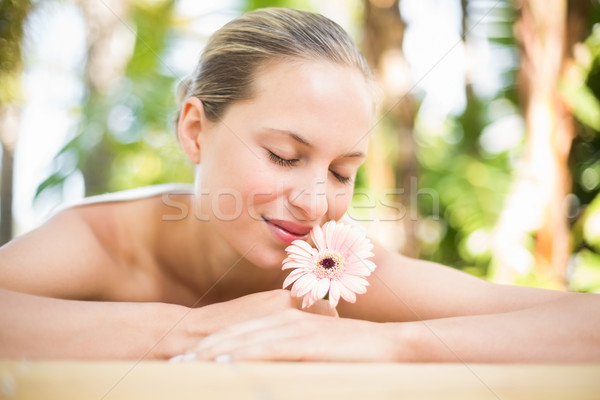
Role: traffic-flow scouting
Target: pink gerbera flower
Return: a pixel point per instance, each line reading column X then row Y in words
column 338, row 266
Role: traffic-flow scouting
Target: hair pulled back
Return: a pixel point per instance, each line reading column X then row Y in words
column 233, row 54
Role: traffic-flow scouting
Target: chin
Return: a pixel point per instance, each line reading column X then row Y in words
column 267, row 258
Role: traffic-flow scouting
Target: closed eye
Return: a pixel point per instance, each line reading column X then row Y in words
column 281, row 161
column 290, row 163
column 343, row 179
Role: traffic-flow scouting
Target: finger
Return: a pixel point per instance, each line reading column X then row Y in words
column 322, row 307
column 310, row 338
column 185, row 357
column 283, row 344
column 277, row 342
column 279, row 349
column 321, row 339
column 229, row 338
column 248, row 326
column 258, row 344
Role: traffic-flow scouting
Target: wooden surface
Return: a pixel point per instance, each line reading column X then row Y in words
column 161, row 380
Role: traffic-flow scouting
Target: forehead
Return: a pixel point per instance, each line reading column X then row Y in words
column 325, row 101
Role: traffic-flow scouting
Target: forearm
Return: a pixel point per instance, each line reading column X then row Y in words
column 566, row 330
column 40, row 327
column 406, row 289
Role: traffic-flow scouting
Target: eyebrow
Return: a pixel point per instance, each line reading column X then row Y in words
column 298, row 138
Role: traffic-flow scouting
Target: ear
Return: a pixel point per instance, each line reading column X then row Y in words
column 192, row 124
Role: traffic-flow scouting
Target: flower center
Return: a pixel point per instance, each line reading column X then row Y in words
column 329, row 264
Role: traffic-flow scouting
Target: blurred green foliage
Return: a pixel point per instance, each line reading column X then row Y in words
column 11, row 31
column 471, row 181
column 583, row 96
column 126, row 136
column 298, row 4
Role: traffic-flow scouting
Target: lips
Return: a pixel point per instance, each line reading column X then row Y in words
column 288, row 231
column 291, row 227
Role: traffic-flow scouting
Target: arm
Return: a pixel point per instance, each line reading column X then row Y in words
column 406, row 289
column 42, row 327
column 565, row 330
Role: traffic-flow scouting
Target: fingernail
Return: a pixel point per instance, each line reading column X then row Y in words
column 183, row 357
column 223, row 358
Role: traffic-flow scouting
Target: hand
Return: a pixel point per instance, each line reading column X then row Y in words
column 216, row 316
column 299, row 336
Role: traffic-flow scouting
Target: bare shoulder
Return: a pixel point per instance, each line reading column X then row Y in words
column 96, row 250
column 65, row 257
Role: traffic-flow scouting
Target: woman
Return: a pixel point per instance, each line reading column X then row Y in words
column 277, row 117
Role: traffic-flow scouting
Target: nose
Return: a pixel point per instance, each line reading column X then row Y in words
column 310, row 202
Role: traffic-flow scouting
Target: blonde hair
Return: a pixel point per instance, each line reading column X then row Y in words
column 233, row 54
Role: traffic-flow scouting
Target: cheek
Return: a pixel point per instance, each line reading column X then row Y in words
column 339, row 204
column 259, row 187
column 233, row 183
column 221, row 194
column 258, row 193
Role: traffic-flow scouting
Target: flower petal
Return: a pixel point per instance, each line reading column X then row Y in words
column 301, row 248
column 321, row 288
column 299, row 259
column 293, row 276
column 303, row 256
column 303, row 285
column 340, row 236
column 368, row 264
column 357, row 271
column 366, row 246
column 307, row 301
column 295, row 264
column 318, row 238
column 352, row 239
column 330, row 233
column 334, row 293
column 354, row 283
column 360, row 263
column 346, row 294
column 359, row 254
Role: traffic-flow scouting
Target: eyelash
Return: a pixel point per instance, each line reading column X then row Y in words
column 290, row 163
column 281, row 161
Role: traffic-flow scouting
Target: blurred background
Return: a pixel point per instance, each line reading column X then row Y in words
column 485, row 157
